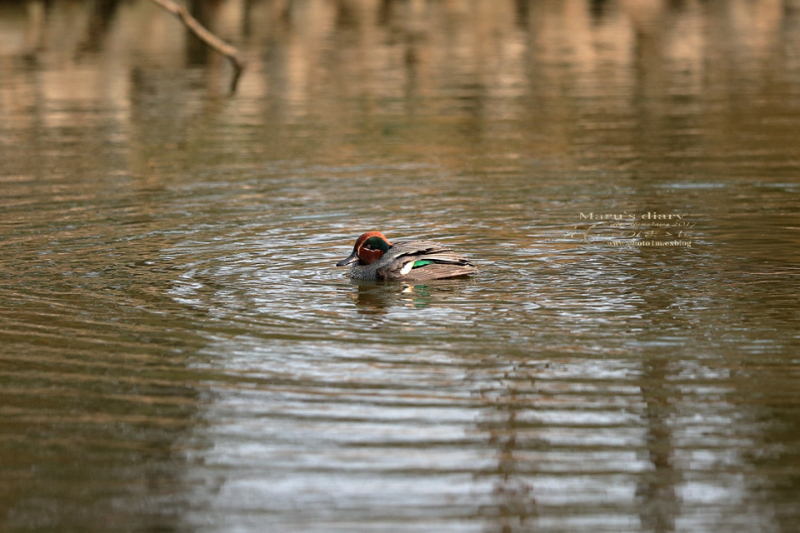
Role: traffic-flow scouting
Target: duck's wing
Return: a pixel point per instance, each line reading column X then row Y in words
column 423, row 260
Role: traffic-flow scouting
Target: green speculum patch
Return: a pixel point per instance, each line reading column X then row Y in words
column 421, row 263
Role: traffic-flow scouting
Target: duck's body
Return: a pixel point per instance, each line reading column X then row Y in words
column 375, row 258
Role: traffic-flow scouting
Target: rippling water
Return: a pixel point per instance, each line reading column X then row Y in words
column 178, row 353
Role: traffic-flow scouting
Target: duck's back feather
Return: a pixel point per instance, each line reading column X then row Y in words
column 440, row 262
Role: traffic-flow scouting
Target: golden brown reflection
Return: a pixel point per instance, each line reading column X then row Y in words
column 497, row 55
column 640, row 87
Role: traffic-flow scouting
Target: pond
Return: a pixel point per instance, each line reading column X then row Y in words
column 178, row 351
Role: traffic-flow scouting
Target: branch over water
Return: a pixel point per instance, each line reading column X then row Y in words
column 231, row 52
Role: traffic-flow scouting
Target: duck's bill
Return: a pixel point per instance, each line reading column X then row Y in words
column 352, row 259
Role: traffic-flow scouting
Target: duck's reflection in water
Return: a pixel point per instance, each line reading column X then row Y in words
column 377, row 297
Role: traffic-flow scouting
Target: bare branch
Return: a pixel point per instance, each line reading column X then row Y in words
column 231, row 52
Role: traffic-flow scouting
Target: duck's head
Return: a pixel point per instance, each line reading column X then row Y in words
column 370, row 246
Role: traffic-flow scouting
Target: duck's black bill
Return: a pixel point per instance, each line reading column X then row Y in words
column 352, row 259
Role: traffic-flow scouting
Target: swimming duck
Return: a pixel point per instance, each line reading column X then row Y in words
column 375, row 258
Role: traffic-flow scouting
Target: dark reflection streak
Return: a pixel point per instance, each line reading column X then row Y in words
column 384, row 12
column 656, row 488
column 411, row 85
column 414, row 39
column 778, row 449
column 247, row 18
column 649, row 76
column 658, row 506
column 99, row 23
column 206, row 12
column 35, row 28
column 347, row 15
column 514, row 505
column 676, row 4
column 522, row 12
column 597, row 8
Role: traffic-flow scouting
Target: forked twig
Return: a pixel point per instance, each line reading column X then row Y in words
column 231, row 52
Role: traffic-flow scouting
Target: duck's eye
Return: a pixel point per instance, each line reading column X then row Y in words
column 367, row 247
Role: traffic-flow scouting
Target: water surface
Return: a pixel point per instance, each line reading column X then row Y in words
column 178, row 353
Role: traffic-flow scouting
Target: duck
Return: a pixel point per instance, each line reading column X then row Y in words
column 375, row 258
